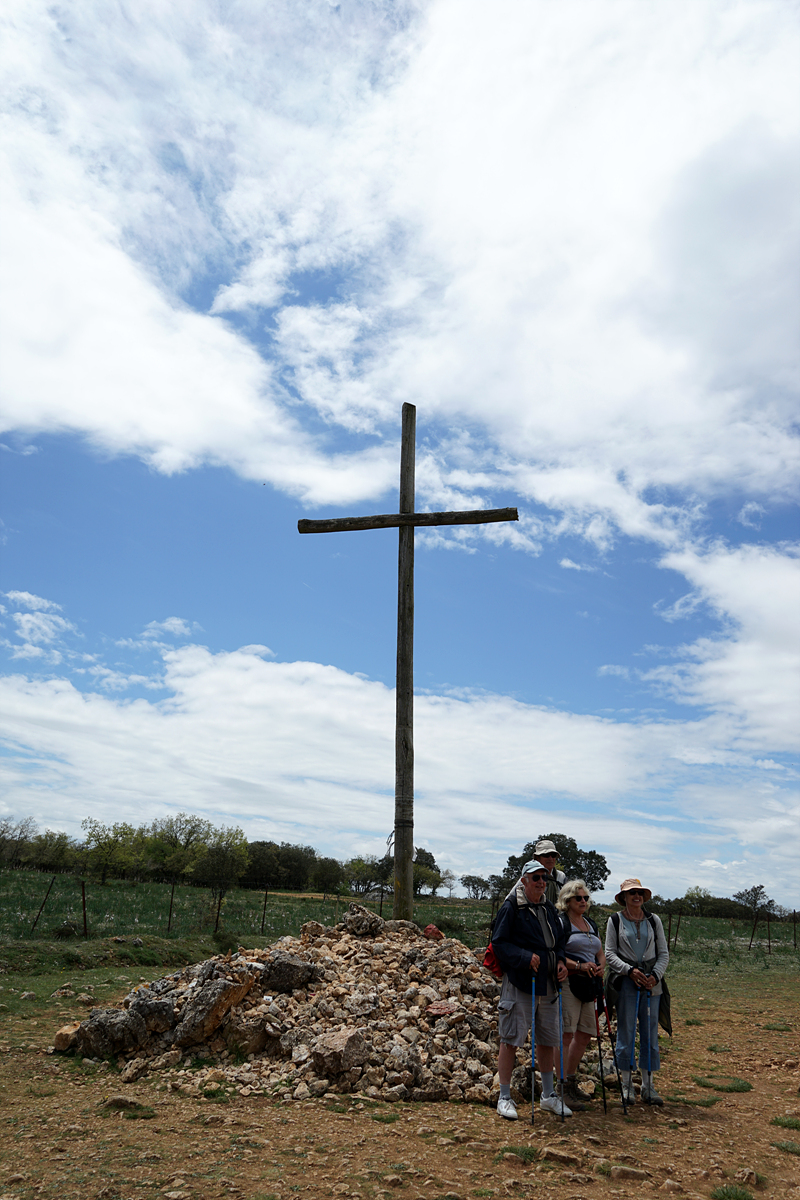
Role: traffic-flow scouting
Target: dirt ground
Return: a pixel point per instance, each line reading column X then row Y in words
column 60, row 1138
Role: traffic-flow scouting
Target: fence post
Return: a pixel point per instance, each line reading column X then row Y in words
column 677, row 931
column 264, row 913
column 769, row 940
column 794, row 923
column 219, row 906
column 753, row 934
column 171, row 899
column 669, row 930
column 83, row 899
column 41, row 910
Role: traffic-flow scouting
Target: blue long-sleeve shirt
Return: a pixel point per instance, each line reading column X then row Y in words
column 517, row 934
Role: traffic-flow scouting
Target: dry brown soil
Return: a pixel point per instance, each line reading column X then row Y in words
column 60, row 1139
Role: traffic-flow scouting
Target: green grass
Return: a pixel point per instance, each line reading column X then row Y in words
column 789, row 1147
column 693, row 1021
column 385, row 1118
column 716, row 1049
column 128, row 909
column 732, row 1191
column 778, row 1027
column 786, row 1122
column 526, row 1153
column 734, row 1084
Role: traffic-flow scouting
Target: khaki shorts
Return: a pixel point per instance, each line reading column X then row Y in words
column 514, row 1021
column 577, row 1016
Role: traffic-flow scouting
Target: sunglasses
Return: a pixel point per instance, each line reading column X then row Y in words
column 540, row 878
column 634, row 892
column 583, row 899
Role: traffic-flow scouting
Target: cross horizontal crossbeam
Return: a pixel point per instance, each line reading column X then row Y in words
column 474, row 516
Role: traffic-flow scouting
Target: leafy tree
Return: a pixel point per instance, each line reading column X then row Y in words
column 108, row 847
column 425, row 877
column 476, row 887
column 222, row 862
column 362, row 874
column 755, row 899
column 297, row 863
column 696, row 900
column 51, row 851
column 264, row 870
column 425, row 858
column 574, row 862
column 173, row 844
column 15, row 837
column 449, row 881
column 329, row 875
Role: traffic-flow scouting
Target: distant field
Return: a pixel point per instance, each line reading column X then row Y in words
column 127, row 909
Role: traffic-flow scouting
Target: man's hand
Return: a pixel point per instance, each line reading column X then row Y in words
column 535, row 960
column 561, row 972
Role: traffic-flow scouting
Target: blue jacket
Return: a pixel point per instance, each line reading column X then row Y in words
column 517, row 935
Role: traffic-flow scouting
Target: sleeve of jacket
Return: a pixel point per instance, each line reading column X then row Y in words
column 616, row 965
column 561, row 939
column 662, row 950
column 511, row 956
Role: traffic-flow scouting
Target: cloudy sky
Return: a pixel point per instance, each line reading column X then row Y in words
column 237, row 238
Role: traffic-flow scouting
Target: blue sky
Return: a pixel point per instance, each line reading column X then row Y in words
column 569, row 236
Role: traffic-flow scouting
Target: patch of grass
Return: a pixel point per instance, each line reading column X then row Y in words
column 651, row 1141
column 716, row 1049
column 789, row 1147
column 217, row 1095
column 139, row 1114
column 385, row 1118
column 786, row 1122
column 603, row 1168
column 526, row 1153
column 778, row 1027
column 734, row 1084
column 732, row 1191
column 483, row 1192
column 693, row 1021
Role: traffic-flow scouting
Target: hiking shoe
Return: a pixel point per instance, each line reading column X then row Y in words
column 507, row 1108
column 651, row 1096
column 628, row 1094
column 555, row 1105
column 574, row 1098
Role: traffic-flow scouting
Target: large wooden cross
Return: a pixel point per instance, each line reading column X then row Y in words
column 406, row 519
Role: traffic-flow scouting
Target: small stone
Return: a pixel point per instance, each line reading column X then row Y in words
column 670, row 1185
column 512, row 1159
column 67, row 1037
column 554, row 1154
column 746, row 1175
column 134, row 1070
column 123, row 1103
column 628, row 1173
column 28, row 996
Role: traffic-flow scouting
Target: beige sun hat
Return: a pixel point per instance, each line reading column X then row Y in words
column 627, row 886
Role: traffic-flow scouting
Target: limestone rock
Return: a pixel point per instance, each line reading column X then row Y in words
column 134, row 1070
column 339, row 1051
column 555, row 1154
column 209, row 1004
column 360, row 922
column 67, row 1037
column 628, row 1173
column 286, row 972
column 110, row 1031
column 158, row 1015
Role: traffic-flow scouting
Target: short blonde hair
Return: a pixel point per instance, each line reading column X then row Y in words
column 570, row 888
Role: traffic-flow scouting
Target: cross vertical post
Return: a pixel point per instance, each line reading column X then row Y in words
column 404, row 696
column 405, row 520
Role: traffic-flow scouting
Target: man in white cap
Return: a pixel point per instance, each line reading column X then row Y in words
column 528, row 939
column 547, row 855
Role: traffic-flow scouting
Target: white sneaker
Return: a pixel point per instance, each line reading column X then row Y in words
column 507, row 1108
column 554, row 1104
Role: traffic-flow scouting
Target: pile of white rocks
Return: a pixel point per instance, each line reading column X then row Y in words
column 368, row 1006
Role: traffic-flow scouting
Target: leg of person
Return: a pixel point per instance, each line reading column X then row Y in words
column 547, row 1044
column 576, row 1039
column 627, row 1005
column 649, row 1093
column 514, row 1018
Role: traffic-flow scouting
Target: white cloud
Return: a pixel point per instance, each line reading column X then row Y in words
column 573, row 566
column 36, row 603
column 173, row 627
column 541, row 274
column 305, row 752
column 750, row 514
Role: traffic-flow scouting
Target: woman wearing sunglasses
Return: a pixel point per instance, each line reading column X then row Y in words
column 585, row 963
column 637, row 955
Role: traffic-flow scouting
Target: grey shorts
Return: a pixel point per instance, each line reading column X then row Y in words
column 514, row 1020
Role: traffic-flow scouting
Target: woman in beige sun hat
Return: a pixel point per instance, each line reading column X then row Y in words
column 637, row 957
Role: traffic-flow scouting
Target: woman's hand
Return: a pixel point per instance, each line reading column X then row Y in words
column 641, row 980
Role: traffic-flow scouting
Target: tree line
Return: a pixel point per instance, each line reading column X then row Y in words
column 189, row 849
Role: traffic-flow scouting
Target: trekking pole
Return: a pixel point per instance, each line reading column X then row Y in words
column 600, row 1054
column 613, row 1043
column 561, row 1048
column 533, row 1045
column 649, row 1057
